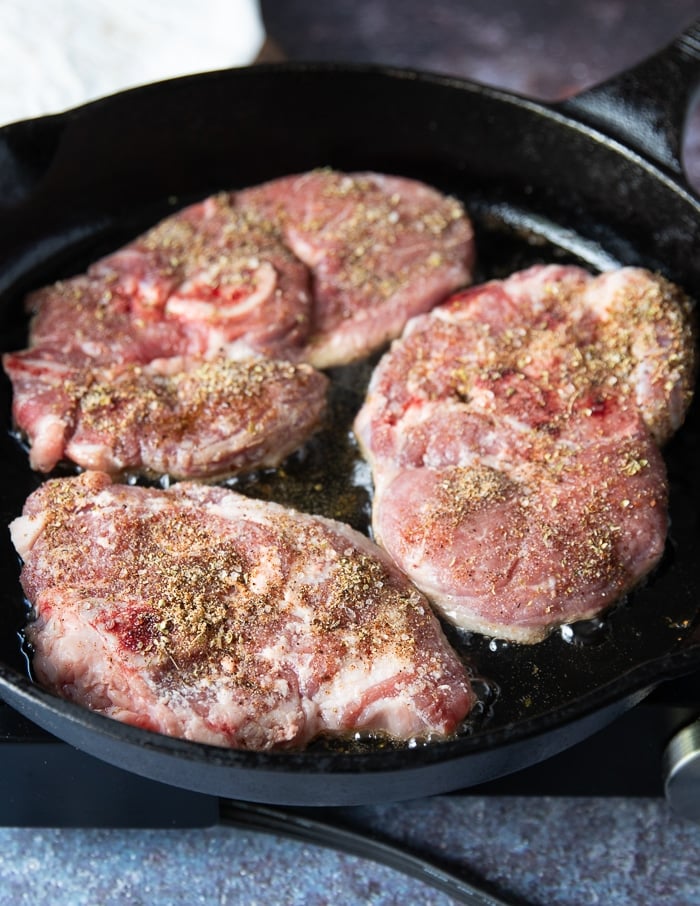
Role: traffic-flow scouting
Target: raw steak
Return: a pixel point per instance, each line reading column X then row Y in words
column 325, row 266
column 380, row 249
column 233, row 276
column 130, row 368
column 182, row 417
column 513, row 436
column 200, row 613
column 84, row 321
column 219, row 273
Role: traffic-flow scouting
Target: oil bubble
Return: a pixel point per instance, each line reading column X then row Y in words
column 584, row 632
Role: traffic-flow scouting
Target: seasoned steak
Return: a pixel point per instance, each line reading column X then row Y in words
column 85, row 321
column 199, row 613
column 380, row 250
column 115, row 380
column 321, row 268
column 324, row 267
column 512, row 435
column 182, row 417
column 219, row 272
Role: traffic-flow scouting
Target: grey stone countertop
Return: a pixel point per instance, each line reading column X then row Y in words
column 526, row 849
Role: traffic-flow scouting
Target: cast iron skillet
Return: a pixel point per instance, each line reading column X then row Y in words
column 597, row 181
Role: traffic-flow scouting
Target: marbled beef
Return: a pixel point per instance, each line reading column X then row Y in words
column 184, row 417
column 513, row 437
column 200, row 613
column 319, row 268
column 380, row 249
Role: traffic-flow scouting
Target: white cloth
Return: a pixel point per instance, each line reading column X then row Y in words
column 56, row 54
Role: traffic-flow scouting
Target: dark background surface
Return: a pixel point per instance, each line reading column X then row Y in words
column 542, row 49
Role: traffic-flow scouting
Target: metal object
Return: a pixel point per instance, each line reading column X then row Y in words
column 332, row 832
column 681, row 772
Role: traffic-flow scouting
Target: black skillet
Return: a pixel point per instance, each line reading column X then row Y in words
column 596, row 180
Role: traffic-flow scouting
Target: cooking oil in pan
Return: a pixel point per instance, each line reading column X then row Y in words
column 327, row 476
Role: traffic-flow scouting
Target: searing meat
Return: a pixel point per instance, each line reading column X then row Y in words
column 633, row 329
column 381, row 249
column 152, row 362
column 512, row 437
column 325, row 267
column 219, row 273
column 181, row 417
column 515, row 547
column 200, row 613
column 322, row 268
column 84, row 321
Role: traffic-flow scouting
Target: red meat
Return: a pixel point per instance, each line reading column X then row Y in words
column 200, row 613
column 513, row 438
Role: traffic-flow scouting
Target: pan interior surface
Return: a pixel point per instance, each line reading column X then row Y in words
column 543, row 214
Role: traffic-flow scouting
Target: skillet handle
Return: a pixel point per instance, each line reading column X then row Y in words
column 646, row 106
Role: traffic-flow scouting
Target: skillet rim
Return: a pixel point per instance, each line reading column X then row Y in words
column 563, row 113
column 626, row 690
